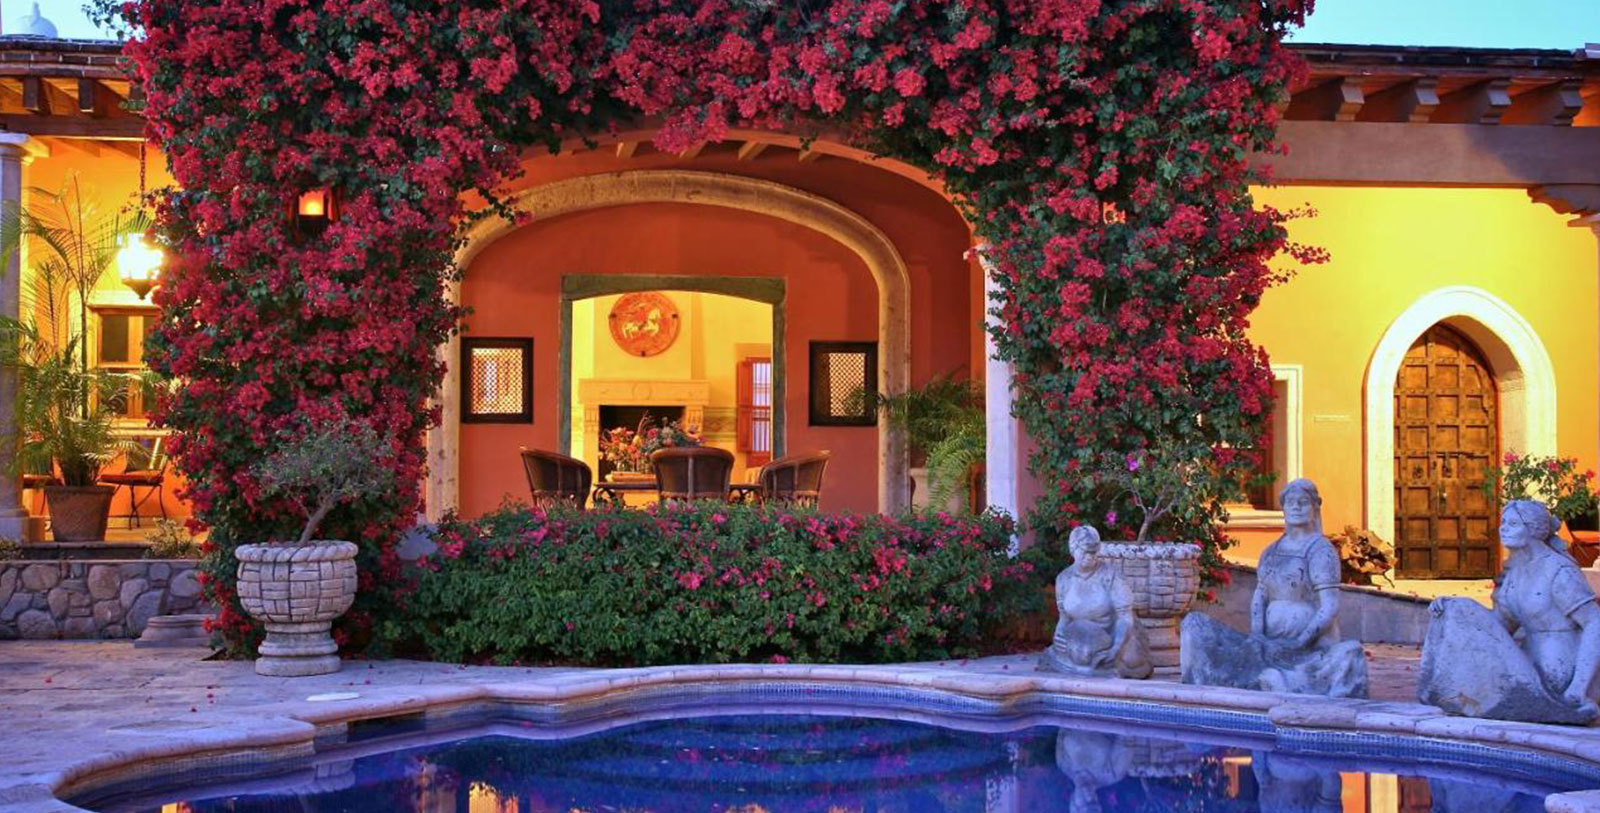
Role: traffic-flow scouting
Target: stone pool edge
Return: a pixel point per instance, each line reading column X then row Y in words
column 292, row 728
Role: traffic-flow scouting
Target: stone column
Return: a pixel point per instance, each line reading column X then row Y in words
column 1002, row 437
column 13, row 517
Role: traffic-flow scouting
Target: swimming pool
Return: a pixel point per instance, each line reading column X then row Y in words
column 831, row 748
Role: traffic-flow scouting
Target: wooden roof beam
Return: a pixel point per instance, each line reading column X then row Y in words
column 750, row 149
column 1556, row 103
column 807, row 155
column 626, row 149
column 1481, row 103
column 693, row 152
column 1412, row 101
column 1338, row 99
column 35, row 96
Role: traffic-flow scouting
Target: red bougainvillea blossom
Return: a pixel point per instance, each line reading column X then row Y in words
column 1098, row 147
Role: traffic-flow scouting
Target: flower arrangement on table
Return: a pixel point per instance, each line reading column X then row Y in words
column 629, row 450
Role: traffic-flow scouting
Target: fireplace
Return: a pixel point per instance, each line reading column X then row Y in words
column 606, row 403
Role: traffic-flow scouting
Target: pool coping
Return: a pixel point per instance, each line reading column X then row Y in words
column 294, row 727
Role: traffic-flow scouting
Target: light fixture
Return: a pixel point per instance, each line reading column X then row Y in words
column 313, row 210
column 138, row 263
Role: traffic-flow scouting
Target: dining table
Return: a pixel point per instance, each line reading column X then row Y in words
column 614, row 493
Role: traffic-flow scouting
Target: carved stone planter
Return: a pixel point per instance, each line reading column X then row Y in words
column 1164, row 577
column 296, row 591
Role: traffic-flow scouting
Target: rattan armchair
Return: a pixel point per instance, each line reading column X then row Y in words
column 555, row 479
column 794, row 480
column 692, row 473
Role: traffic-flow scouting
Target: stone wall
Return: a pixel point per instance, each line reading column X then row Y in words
column 1366, row 614
column 93, row 599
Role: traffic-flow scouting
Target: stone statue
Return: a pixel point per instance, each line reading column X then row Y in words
column 1092, row 760
column 1534, row 657
column 1294, row 643
column 1291, row 785
column 1096, row 633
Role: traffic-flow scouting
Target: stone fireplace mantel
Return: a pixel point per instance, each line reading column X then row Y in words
column 594, row 393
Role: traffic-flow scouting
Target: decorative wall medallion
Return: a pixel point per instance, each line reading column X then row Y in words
column 644, row 324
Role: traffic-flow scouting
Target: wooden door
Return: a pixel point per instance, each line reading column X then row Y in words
column 1446, row 434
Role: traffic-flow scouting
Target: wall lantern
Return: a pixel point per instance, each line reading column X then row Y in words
column 314, row 210
column 138, row 263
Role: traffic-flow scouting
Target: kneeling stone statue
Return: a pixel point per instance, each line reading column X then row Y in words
column 1532, row 658
column 1294, row 643
column 1096, row 632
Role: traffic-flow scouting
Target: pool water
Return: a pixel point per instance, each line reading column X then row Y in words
column 766, row 763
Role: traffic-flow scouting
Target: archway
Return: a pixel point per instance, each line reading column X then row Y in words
column 1523, row 374
column 775, row 200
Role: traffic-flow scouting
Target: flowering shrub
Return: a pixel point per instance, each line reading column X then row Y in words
column 711, row 582
column 1555, row 481
column 630, row 449
column 1098, row 147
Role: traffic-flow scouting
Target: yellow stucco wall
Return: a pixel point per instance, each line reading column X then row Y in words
column 1390, row 247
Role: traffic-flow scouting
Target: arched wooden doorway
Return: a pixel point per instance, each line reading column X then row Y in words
column 1446, row 434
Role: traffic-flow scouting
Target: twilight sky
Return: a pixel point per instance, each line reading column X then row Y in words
column 1565, row 24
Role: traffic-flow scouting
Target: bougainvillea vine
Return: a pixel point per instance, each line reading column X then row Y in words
column 1099, row 148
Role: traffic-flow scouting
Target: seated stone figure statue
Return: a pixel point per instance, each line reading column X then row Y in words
column 1294, row 643
column 1533, row 658
column 1096, row 633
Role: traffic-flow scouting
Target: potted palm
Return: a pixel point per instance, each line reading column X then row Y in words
column 296, row 588
column 945, row 427
column 65, row 408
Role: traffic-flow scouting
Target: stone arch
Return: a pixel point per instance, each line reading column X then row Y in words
column 1517, row 357
column 775, row 200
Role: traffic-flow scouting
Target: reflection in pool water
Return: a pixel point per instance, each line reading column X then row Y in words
column 750, row 763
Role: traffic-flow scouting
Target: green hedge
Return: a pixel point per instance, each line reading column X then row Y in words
column 710, row 583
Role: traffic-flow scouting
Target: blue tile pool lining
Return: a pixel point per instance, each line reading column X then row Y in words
column 683, row 699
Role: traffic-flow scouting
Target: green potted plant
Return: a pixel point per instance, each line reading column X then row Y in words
column 65, row 409
column 945, row 427
column 1556, row 482
column 296, row 588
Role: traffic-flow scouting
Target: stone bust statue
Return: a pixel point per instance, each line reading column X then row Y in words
column 1294, row 643
column 1534, row 657
column 1096, row 632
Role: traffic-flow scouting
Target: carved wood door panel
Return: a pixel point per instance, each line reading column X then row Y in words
column 1446, row 433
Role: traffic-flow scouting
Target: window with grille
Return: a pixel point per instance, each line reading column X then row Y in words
column 496, row 380
column 844, row 383
column 119, row 347
column 755, row 410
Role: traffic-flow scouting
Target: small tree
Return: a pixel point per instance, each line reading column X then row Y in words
column 1159, row 481
column 328, row 465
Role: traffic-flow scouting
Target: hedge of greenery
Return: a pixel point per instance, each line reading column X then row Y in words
column 710, row 584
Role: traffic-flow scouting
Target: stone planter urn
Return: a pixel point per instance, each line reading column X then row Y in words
column 296, row 591
column 1164, row 577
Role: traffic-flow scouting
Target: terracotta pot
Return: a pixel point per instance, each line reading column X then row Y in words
column 1164, row 577
column 78, row 513
column 296, row 591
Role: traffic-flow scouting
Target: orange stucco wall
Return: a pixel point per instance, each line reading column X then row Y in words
column 513, row 289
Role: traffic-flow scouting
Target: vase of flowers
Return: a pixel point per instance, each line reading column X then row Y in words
column 628, row 450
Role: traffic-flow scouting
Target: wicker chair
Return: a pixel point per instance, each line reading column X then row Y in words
column 794, row 480
column 692, row 473
column 555, row 479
